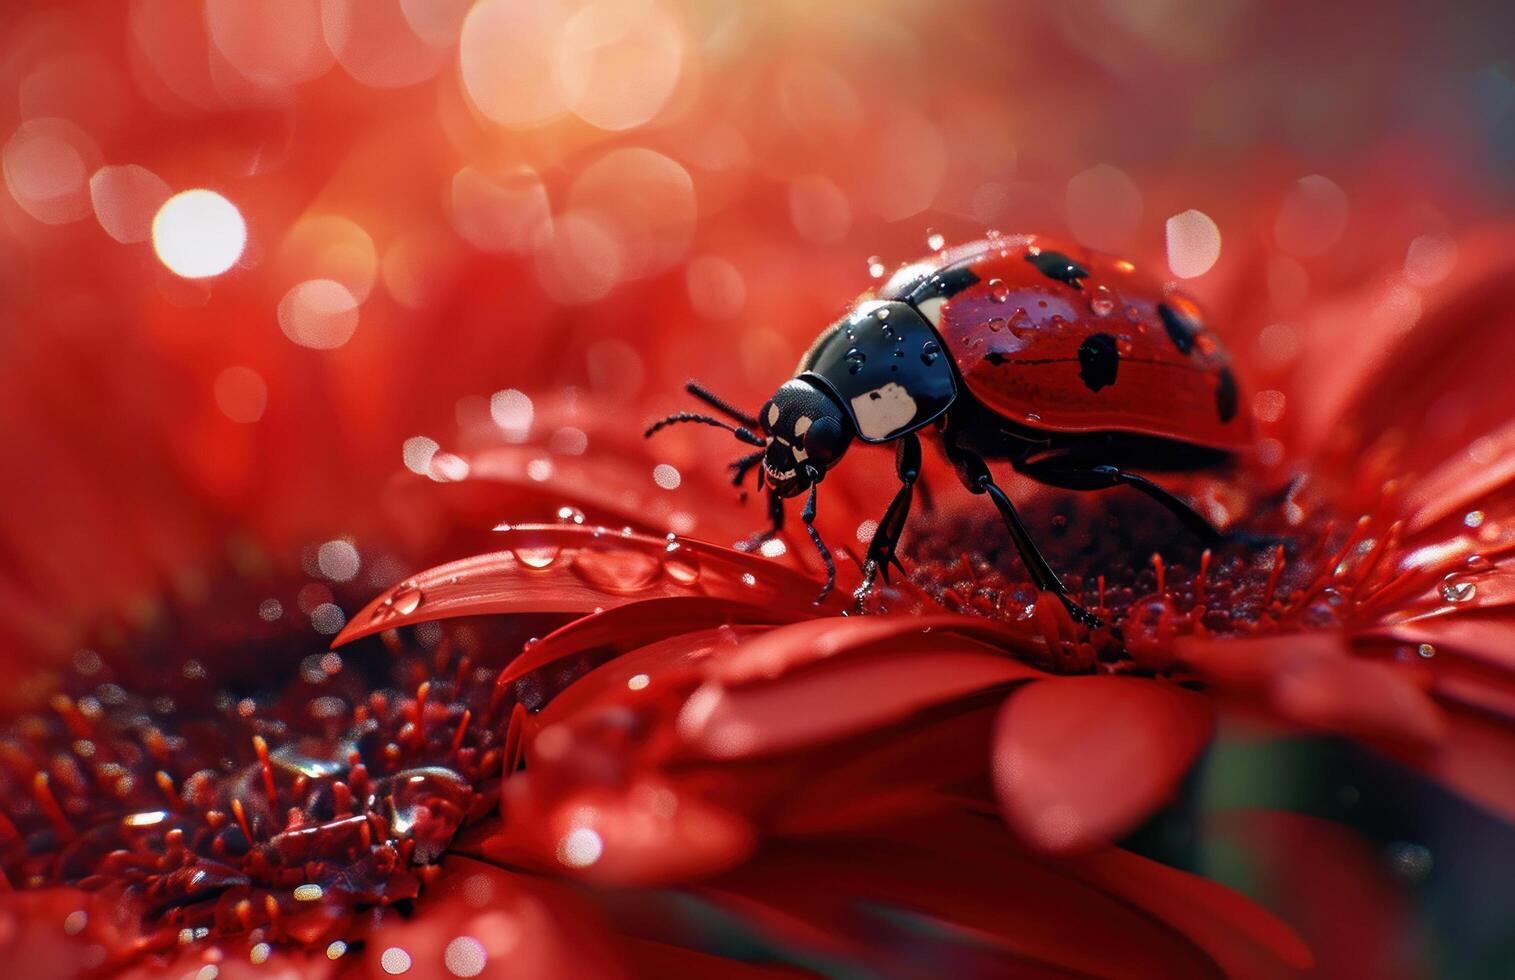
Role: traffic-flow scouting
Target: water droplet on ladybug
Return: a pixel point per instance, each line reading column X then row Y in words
column 935, row 239
column 882, row 313
column 1457, row 589
column 996, row 324
column 1426, row 651
column 876, row 268
column 1478, row 564
column 855, row 360
column 930, row 351
column 998, row 291
column 1102, row 301
column 899, row 352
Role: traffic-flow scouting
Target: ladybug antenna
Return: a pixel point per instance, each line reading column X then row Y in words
column 721, row 405
column 745, row 435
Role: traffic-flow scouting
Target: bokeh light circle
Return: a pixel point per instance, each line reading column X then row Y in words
column 321, row 314
column 198, row 234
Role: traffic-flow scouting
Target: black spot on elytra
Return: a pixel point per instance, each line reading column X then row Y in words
column 1181, row 329
column 950, row 282
column 1056, row 265
column 1225, row 395
column 996, row 357
column 1098, row 360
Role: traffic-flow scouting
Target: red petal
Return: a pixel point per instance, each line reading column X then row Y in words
column 565, row 568
column 1079, row 761
column 650, row 959
column 1243, row 938
column 843, row 695
column 622, row 628
column 1348, row 907
column 1312, row 679
column 648, row 832
column 819, row 639
column 959, row 883
column 479, row 920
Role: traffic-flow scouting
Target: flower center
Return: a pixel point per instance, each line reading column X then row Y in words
column 272, row 789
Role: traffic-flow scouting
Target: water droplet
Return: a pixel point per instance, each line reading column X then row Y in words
column 685, row 569
column 996, row 323
column 1102, row 301
column 536, row 557
column 930, row 351
column 998, row 291
column 935, row 239
column 1456, row 589
column 570, row 515
column 1426, row 650
column 855, row 360
column 1473, row 519
column 425, row 805
column 617, row 571
column 882, row 313
column 876, row 267
column 749, row 579
column 404, row 600
column 1478, row 564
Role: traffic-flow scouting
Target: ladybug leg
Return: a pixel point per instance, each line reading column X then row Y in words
column 775, row 525
column 1072, row 476
column 881, row 550
column 808, row 517
column 743, row 466
column 977, row 478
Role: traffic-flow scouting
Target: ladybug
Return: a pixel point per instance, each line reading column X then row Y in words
column 1066, row 363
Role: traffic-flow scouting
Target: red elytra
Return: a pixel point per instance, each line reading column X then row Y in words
column 1016, row 335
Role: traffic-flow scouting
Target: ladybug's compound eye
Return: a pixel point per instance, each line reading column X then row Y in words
column 825, row 441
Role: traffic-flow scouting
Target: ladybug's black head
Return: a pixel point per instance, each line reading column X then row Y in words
column 807, row 433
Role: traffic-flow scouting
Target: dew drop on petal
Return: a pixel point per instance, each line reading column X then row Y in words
column 405, row 600
column 1456, row 589
column 1193, row 241
column 536, row 556
column 620, row 571
column 682, row 568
